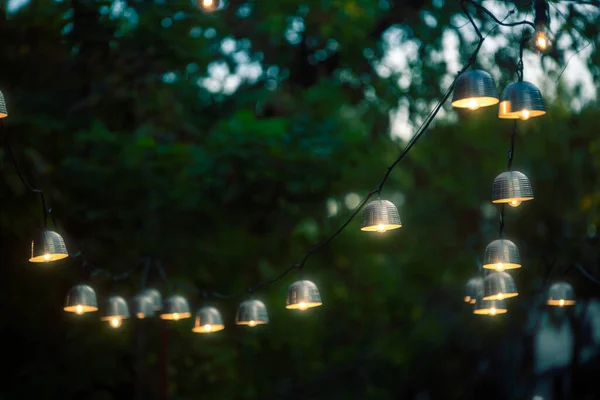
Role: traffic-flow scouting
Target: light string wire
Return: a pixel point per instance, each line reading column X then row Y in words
column 300, row 265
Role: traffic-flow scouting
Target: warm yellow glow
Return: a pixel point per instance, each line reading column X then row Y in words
column 80, row 309
column 473, row 300
column 380, row 227
column 473, row 103
column 467, row 299
column 208, row 328
column 207, row 3
column 115, row 322
column 175, row 316
column 488, row 311
column 541, row 41
column 499, row 267
column 252, row 323
column 501, row 296
column 504, row 112
column 492, row 311
column 303, row 305
column 140, row 315
column 513, row 201
column 561, row 302
column 525, row 114
column 48, row 257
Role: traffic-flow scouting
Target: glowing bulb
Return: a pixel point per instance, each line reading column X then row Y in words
column 525, row 114
column 78, row 310
column 473, row 104
column 381, row 228
column 207, row 3
column 140, row 315
column 500, row 266
column 175, row 316
column 561, row 302
column 467, row 299
column 46, row 257
column 492, row 311
column 207, row 328
column 500, row 296
column 252, row 323
column 115, row 322
column 302, row 306
column 541, row 41
column 514, row 203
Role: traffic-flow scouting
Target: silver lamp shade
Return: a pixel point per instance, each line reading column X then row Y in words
column 474, row 287
column 115, row 311
column 142, row 306
column 175, row 308
column 302, row 295
column 49, row 247
column 3, row 112
column 499, row 286
column 154, row 296
column 561, row 294
column 252, row 313
column 208, row 319
column 512, row 188
column 380, row 216
column 475, row 89
column 489, row 307
column 501, row 254
column 207, row 5
column 521, row 100
column 81, row 299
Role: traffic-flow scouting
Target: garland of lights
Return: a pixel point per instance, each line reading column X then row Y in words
column 472, row 89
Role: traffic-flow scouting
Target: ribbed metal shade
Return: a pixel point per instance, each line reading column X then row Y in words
column 474, row 89
column 521, row 100
column 474, row 287
column 208, row 320
column 380, row 216
column 175, row 308
column 3, row 112
column 501, row 254
column 155, row 296
column 561, row 294
column 499, row 286
column 512, row 187
column 207, row 5
column 49, row 247
column 489, row 307
column 302, row 295
column 504, row 109
column 142, row 306
column 115, row 311
column 81, row 299
column 252, row 313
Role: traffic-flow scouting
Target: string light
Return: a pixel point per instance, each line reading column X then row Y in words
column 175, row 308
column 499, row 286
column 252, row 313
column 561, row 294
column 302, row 295
column 512, row 188
column 116, row 310
column 475, row 89
column 81, row 299
column 380, row 216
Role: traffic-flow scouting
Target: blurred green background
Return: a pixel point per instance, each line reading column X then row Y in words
column 227, row 144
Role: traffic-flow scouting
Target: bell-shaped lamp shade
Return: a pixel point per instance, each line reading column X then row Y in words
column 142, row 306
column 207, row 5
column 3, row 112
column 501, row 254
column 154, row 296
column 116, row 310
column 512, row 188
column 208, row 320
column 380, row 216
column 475, row 89
column 302, row 295
column 81, row 299
column 49, row 247
column 175, row 308
column 489, row 307
column 474, row 287
column 561, row 294
column 521, row 100
column 252, row 313
column 499, row 286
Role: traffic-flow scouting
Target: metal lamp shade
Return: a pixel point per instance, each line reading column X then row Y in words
column 512, row 187
column 380, row 216
column 501, row 254
column 474, row 287
column 142, row 306
column 252, row 313
column 489, row 307
column 3, row 112
column 81, row 299
column 115, row 311
column 175, row 308
column 302, row 295
column 499, row 286
column 561, row 294
column 154, row 296
column 521, row 100
column 207, row 5
column 474, row 89
column 208, row 320
column 50, row 247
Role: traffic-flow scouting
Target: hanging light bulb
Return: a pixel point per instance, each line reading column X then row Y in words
column 207, row 5
column 252, row 313
column 81, row 299
column 501, row 254
column 474, row 89
column 380, row 216
column 489, row 307
column 116, row 310
column 512, row 188
column 154, row 296
column 521, row 100
column 175, row 308
column 50, row 247
column 3, row 112
column 142, row 306
column 499, row 286
column 474, row 287
column 542, row 38
column 208, row 320
column 303, row 295
column 561, row 294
